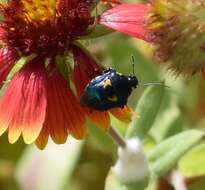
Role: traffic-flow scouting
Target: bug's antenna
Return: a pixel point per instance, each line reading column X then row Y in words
column 133, row 64
column 154, row 83
column 145, row 84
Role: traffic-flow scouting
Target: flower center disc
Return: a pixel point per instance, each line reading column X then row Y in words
column 45, row 27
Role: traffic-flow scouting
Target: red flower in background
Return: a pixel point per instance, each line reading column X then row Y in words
column 39, row 101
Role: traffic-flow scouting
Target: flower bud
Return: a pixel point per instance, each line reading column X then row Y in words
column 177, row 28
column 132, row 165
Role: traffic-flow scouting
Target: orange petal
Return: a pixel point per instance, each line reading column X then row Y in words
column 23, row 105
column 78, row 129
column 56, row 119
column 100, row 119
column 63, row 112
column 124, row 114
column 42, row 139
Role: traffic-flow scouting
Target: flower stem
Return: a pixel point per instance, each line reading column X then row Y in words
column 117, row 137
column 177, row 180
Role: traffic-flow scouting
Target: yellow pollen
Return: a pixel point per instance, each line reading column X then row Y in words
column 39, row 10
column 107, row 83
column 113, row 98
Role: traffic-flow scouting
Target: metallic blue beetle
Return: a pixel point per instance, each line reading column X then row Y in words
column 108, row 90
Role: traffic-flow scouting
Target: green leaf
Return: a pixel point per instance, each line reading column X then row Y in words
column 192, row 164
column 167, row 124
column 100, row 138
column 95, row 2
column 62, row 65
column 113, row 183
column 147, row 109
column 165, row 156
column 53, row 167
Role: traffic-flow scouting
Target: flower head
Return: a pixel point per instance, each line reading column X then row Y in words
column 39, row 101
column 177, row 30
column 45, row 27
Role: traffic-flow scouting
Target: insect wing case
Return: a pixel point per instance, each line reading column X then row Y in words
column 109, row 90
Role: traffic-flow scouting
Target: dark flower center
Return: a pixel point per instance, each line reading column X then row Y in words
column 48, row 33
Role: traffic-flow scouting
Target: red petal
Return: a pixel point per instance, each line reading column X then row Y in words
column 23, row 105
column 63, row 112
column 8, row 58
column 128, row 18
column 85, row 69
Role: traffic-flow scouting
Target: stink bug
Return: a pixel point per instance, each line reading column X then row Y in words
column 108, row 90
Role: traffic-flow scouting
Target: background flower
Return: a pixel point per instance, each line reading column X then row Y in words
column 177, row 30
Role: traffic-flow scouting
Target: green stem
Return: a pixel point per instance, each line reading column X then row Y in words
column 117, row 137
